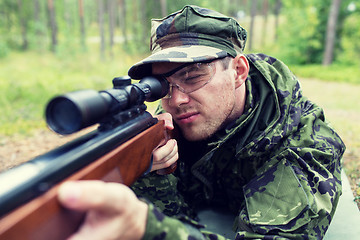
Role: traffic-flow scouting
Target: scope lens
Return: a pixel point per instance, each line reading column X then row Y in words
column 63, row 116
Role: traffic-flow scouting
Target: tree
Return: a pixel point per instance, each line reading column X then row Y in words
column 277, row 13
column 101, row 28
column 112, row 20
column 24, row 25
column 143, row 19
column 265, row 21
column 37, row 16
column 331, row 32
column 82, row 24
column 252, row 22
column 52, row 25
column 122, row 20
column 163, row 7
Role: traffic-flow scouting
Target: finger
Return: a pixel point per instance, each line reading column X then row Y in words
column 113, row 211
column 168, row 150
column 166, row 160
column 164, row 163
column 85, row 195
column 172, row 154
column 167, row 120
column 169, row 161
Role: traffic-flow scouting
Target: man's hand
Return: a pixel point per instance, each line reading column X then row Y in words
column 167, row 153
column 112, row 210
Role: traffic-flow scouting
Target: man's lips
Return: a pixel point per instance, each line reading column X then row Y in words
column 187, row 117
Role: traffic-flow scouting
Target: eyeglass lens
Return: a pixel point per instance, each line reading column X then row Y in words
column 191, row 78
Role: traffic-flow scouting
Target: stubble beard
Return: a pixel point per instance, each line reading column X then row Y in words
column 204, row 129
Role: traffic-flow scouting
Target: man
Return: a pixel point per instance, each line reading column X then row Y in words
column 250, row 146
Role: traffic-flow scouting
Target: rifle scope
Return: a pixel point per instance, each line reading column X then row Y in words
column 74, row 111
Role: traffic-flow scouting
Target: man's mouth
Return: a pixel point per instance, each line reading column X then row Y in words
column 187, row 117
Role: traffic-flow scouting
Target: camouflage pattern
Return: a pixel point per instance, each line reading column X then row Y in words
column 192, row 34
column 277, row 168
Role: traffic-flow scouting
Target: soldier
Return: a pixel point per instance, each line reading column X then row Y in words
column 251, row 148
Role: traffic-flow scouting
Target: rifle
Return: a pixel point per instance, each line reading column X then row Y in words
column 119, row 150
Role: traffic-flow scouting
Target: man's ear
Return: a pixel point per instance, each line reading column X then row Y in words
column 241, row 67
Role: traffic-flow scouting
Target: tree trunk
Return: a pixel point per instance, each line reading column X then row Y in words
column 277, row 14
column 82, row 25
column 331, row 32
column 101, row 28
column 252, row 21
column 67, row 16
column 135, row 32
column 144, row 29
column 112, row 16
column 37, row 22
column 122, row 18
column 265, row 21
column 52, row 25
column 37, row 17
column 163, row 8
column 25, row 43
column 244, row 4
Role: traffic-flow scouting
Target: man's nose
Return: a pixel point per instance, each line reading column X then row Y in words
column 177, row 97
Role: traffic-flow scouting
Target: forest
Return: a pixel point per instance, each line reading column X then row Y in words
column 64, row 45
column 51, row 47
column 309, row 32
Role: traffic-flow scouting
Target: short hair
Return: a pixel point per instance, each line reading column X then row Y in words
column 225, row 62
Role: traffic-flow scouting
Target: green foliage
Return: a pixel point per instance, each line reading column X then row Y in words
column 29, row 77
column 29, row 80
column 334, row 73
column 302, row 36
column 4, row 50
column 350, row 45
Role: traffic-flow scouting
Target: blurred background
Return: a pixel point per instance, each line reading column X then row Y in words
column 50, row 47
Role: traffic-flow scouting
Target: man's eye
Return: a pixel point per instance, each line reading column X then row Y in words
column 193, row 79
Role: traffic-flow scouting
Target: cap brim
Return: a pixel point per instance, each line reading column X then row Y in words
column 179, row 54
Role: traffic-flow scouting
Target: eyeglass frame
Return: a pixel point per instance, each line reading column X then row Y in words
column 177, row 69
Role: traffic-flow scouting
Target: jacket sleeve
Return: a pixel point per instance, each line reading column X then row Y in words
column 168, row 215
column 160, row 226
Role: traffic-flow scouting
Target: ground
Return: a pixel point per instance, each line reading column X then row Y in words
column 15, row 150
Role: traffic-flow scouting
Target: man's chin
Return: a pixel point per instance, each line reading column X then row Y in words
column 194, row 136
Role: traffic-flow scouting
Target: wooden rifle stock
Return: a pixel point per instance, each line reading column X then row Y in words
column 44, row 218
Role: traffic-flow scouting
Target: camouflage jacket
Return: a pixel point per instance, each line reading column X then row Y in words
column 276, row 168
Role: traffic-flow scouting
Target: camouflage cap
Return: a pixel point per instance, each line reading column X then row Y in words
column 192, row 34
